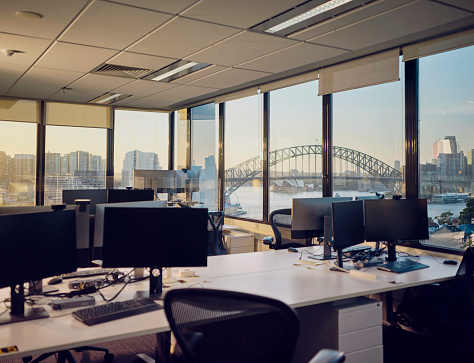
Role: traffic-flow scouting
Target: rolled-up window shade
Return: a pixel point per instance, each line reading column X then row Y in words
column 252, row 91
column 67, row 114
column 368, row 71
column 288, row 82
column 19, row 110
column 438, row 45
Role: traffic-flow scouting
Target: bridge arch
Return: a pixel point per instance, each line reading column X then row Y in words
column 251, row 168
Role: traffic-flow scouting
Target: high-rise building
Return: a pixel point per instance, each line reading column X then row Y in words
column 447, row 157
column 52, row 164
column 137, row 159
column 24, row 166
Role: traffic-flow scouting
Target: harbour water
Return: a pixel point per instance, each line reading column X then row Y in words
column 251, row 201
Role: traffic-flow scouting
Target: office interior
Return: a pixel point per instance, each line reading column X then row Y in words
column 367, row 96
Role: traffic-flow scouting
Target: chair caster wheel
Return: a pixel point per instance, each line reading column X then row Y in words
column 108, row 357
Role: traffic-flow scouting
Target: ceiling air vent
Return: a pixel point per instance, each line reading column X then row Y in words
column 122, row 71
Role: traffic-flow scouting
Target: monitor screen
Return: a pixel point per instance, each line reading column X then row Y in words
column 348, row 224
column 155, row 237
column 37, row 245
column 126, row 195
column 96, row 196
column 307, row 215
column 396, row 220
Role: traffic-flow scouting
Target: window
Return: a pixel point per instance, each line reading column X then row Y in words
column 17, row 163
column 181, row 144
column 368, row 141
column 446, row 146
column 243, row 158
column 141, row 142
column 204, row 153
column 75, row 158
column 295, row 144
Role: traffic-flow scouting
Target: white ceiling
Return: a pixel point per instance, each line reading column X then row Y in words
column 57, row 54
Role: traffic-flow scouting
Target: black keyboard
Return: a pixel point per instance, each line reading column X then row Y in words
column 115, row 310
column 89, row 272
column 401, row 266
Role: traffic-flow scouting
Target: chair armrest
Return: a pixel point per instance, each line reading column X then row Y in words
column 268, row 240
column 328, row 356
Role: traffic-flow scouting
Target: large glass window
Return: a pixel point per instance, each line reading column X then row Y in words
column 141, row 142
column 204, row 153
column 447, row 147
column 368, row 142
column 243, row 157
column 181, row 132
column 295, row 144
column 17, row 163
column 75, row 158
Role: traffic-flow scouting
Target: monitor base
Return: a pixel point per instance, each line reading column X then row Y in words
column 30, row 314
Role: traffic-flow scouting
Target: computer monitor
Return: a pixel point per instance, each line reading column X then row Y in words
column 307, row 219
column 35, row 245
column 396, row 220
column 155, row 238
column 96, row 196
column 129, row 195
column 99, row 220
column 347, row 226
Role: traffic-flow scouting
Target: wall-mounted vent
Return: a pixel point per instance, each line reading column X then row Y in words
column 122, row 71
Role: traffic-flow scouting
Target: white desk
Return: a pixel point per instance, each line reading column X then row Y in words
column 271, row 274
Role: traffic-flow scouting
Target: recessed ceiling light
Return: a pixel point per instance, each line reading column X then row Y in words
column 30, row 15
column 108, row 98
column 332, row 4
column 176, row 70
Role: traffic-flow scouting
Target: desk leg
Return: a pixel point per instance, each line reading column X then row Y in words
column 163, row 346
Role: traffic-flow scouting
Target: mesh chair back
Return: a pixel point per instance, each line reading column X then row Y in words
column 224, row 326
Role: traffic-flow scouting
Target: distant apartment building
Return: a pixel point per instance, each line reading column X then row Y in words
column 137, row 159
column 448, row 158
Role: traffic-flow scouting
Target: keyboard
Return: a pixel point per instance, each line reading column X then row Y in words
column 89, row 272
column 401, row 266
column 115, row 310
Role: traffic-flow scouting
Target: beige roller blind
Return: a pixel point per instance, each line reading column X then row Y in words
column 67, row 114
column 439, row 45
column 368, row 71
column 290, row 81
column 19, row 110
column 252, row 91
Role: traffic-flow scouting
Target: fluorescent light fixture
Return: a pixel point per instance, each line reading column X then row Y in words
column 108, row 98
column 332, row 4
column 174, row 71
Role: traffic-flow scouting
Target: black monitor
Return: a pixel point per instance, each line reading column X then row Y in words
column 347, row 226
column 129, row 195
column 96, row 196
column 155, row 238
column 307, row 219
column 35, row 245
column 396, row 220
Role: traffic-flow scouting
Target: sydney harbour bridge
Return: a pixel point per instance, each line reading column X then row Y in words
column 367, row 166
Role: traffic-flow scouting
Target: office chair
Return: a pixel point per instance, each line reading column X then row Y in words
column 225, row 326
column 66, row 355
column 215, row 245
column 281, row 218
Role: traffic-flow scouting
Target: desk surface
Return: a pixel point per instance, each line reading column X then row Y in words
column 276, row 274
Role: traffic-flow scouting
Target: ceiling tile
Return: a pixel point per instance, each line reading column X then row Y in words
column 181, row 37
column 228, row 78
column 143, row 61
column 198, row 74
column 241, row 48
column 111, row 25
column 397, row 23
column 42, row 83
column 98, row 83
column 73, row 57
column 57, row 15
column 242, row 13
column 143, row 88
column 167, row 6
column 348, row 18
column 465, row 4
column 30, row 48
column 9, row 73
column 296, row 56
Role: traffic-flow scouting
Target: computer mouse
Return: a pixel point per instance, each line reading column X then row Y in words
column 55, row 280
column 450, row 262
column 292, row 249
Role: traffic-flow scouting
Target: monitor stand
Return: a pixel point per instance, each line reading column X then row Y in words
column 18, row 312
column 391, row 251
column 155, row 292
column 327, row 254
